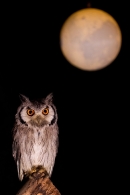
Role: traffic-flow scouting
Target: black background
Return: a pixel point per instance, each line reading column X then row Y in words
column 92, row 106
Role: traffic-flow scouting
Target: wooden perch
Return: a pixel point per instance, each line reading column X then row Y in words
column 39, row 184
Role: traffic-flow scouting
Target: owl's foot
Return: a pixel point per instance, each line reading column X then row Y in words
column 34, row 170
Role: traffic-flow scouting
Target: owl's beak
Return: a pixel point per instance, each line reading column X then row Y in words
column 38, row 120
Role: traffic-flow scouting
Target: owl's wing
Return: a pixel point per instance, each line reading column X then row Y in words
column 57, row 140
column 16, row 151
column 15, row 145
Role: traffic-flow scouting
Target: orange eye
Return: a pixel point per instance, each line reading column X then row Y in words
column 45, row 111
column 30, row 112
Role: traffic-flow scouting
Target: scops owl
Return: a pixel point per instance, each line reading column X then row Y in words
column 35, row 135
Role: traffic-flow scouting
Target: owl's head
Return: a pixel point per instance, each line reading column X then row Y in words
column 36, row 113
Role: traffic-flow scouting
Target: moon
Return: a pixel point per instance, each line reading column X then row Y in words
column 90, row 39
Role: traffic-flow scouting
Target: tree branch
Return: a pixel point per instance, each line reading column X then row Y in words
column 39, row 184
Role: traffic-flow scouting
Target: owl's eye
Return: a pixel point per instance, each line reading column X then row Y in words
column 45, row 111
column 30, row 112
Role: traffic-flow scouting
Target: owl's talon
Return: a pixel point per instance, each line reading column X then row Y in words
column 34, row 169
column 30, row 177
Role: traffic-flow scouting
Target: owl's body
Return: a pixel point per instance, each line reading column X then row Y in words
column 35, row 135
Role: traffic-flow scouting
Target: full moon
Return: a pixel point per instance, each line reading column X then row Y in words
column 90, row 39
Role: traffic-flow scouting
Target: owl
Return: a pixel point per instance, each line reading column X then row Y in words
column 35, row 135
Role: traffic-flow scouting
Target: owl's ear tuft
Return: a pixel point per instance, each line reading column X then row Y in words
column 49, row 98
column 23, row 98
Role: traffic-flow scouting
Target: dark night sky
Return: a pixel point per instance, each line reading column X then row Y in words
column 91, row 105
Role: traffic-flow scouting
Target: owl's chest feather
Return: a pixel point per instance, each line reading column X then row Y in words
column 39, row 146
column 40, row 143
